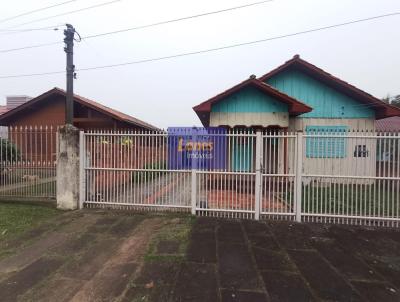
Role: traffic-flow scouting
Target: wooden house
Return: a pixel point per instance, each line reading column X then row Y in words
column 299, row 96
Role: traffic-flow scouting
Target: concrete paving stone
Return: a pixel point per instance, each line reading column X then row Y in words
column 103, row 224
column 286, row 287
column 272, row 260
column 156, row 282
column 202, row 247
column 109, row 285
column 267, row 242
column 205, row 224
column 242, row 296
column 388, row 267
column 20, row 282
column 292, row 235
column 31, row 253
column 125, row 225
column 170, row 247
column 375, row 291
column 91, row 261
column 324, row 281
column 196, row 282
column 56, row 289
column 230, row 232
column 236, row 268
column 255, row 228
column 346, row 263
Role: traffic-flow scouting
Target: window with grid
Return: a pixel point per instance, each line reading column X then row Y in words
column 326, row 147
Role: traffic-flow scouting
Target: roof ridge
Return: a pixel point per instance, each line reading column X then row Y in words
column 357, row 93
column 116, row 113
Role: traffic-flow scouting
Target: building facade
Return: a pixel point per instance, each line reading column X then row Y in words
column 298, row 96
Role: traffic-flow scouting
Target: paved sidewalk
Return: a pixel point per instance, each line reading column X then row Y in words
column 122, row 256
column 282, row 261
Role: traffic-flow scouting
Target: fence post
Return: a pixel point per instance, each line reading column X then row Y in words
column 82, row 164
column 194, row 193
column 258, row 192
column 68, row 168
column 298, row 175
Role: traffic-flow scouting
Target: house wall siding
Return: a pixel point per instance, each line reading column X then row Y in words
column 52, row 114
column 249, row 99
column 249, row 107
column 353, row 124
column 325, row 101
column 249, row 119
column 355, row 166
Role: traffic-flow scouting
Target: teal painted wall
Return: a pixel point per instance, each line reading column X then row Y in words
column 241, row 157
column 249, row 99
column 325, row 101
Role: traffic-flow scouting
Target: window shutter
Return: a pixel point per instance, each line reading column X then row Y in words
column 326, row 147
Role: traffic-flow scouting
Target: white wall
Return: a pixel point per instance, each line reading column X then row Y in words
column 349, row 165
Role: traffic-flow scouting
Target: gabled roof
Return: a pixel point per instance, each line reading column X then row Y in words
column 295, row 107
column 382, row 109
column 390, row 124
column 117, row 115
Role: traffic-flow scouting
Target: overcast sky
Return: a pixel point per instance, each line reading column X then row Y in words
column 163, row 93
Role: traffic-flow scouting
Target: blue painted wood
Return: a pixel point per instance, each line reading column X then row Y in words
column 249, row 99
column 325, row 101
column 241, row 157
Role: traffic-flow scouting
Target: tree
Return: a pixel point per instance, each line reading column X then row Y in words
column 392, row 100
column 396, row 101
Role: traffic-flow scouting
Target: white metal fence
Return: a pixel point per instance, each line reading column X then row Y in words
column 336, row 177
column 131, row 169
column 28, row 162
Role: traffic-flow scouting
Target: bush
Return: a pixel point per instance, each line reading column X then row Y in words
column 9, row 152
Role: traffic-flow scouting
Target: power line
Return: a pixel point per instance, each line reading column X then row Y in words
column 142, row 26
column 17, row 31
column 29, row 47
column 35, row 11
column 68, row 13
column 176, row 20
column 210, row 49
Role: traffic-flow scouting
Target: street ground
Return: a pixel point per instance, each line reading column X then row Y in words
column 96, row 255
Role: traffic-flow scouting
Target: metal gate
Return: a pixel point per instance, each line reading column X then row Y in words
column 130, row 169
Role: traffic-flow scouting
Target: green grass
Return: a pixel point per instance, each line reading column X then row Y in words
column 17, row 218
column 47, row 189
column 176, row 229
column 354, row 199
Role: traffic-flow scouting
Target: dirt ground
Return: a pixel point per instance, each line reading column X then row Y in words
column 120, row 256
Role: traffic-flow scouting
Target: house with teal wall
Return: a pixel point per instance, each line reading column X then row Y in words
column 298, row 96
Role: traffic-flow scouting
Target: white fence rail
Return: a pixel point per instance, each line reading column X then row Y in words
column 331, row 177
column 28, row 162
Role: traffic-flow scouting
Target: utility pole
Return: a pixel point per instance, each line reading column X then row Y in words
column 69, row 50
